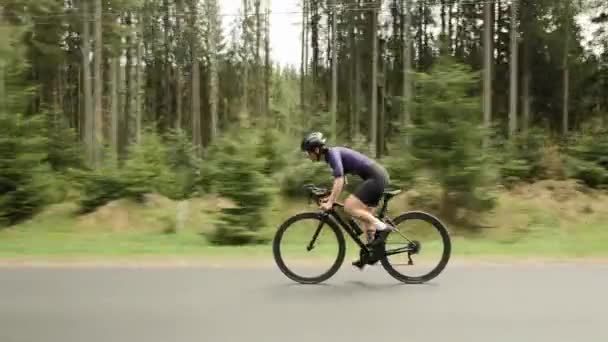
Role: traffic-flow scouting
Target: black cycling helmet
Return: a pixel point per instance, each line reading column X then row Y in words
column 312, row 140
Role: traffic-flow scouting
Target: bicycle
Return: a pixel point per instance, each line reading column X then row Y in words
column 334, row 221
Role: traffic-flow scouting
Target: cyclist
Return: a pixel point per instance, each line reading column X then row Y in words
column 362, row 201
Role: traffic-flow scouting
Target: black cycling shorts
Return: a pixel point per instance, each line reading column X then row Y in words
column 371, row 190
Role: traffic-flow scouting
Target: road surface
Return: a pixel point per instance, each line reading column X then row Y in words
column 467, row 303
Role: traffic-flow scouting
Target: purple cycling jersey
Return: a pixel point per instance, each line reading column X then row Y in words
column 343, row 161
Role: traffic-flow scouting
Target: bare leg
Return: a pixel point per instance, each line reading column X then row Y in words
column 359, row 210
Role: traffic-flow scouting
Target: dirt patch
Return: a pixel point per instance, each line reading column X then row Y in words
column 154, row 213
column 114, row 216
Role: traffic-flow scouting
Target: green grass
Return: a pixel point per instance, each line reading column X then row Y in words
column 520, row 229
column 48, row 244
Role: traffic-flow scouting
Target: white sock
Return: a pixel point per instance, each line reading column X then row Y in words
column 379, row 225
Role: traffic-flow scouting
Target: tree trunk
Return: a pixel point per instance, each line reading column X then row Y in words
column 2, row 89
column 88, row 118
column 114, row 65
column 334, row 72
column 527, row 76
column 303, row 55
column 123, row 124
column 315, row 46
column 443, row 40
column 197, row 140
column 407, row 66
column 196, row 104
column 374, row 95
column 268, row 66
column 98, row 84
column 450, row 28
column 566, row 85
column 139, row 82
column 258, row 70
column 168, row 107
column 213, row 73
column 357, row 98
column 487, row 68
column 352, row 77
column 244, row 120
column 178, row 65
column 513, row 67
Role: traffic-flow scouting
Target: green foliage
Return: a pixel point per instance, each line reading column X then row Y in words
column 241, row 179
column 272, row 149
column 99, row 187
column 586, row 157
column 166, row 167
column 521, row 157
column 448, row 137
column 302, row 172
column 64, row 149
column 401, row 164
column 23, row 172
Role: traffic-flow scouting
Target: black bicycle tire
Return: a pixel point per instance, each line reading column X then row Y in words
column 276, row 250
column 445, row 257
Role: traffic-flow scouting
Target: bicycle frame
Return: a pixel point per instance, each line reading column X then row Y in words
column 351, row 227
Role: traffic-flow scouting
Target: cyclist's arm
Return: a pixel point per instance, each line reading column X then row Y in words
column 335, row 161
column 336, row 189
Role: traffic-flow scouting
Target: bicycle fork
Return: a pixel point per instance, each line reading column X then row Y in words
column 311, row 245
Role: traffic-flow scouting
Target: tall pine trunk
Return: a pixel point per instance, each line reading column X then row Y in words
column 128, row 105
column 566, row 86
column 88, row 117
column 487, row 67
column 2, row 88
column 268, row 66
column 195, row 96
column 178, row 65
column 114, row 65
column 167, row 103
column 357, row 98
column 139, row 82
column 527, row 79
column 98, row 85
column 374, row 87
column 244, row 120
column 407, row 65
column 258, row 70
column 334, row 71
column 303, row 55
column 213, row 73
column 513, row 68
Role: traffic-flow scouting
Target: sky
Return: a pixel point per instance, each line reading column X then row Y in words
column 286, row 26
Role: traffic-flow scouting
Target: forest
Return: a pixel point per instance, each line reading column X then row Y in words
column 103, row 100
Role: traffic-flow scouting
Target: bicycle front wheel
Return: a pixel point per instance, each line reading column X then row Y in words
column 309, row 248
column 418, row 250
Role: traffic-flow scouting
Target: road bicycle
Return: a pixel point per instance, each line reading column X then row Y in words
column 402, row 226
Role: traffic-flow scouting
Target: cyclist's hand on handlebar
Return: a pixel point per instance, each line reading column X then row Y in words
column 326, row 204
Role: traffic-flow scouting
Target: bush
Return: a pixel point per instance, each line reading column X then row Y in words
column 586, row 158
column 448, row 137
column 64, row 148
column 523, row 157
column 168, row 168
column 22, row 167
column 99, row 187
column 304, row 172
column 239, row 176
column 273, row 149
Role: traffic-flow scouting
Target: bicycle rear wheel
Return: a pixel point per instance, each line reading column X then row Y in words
column 305, row 235
column 418, row 250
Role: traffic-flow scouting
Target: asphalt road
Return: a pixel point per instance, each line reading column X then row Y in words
column 468, row 303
